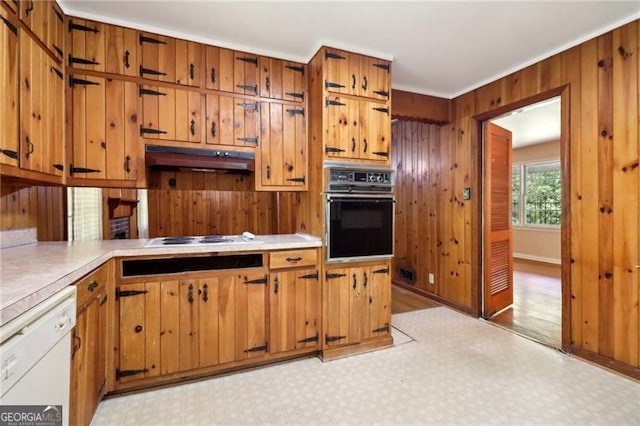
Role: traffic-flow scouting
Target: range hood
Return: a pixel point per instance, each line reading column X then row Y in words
column 191, row 159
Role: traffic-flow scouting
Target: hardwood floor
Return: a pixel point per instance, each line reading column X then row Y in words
column 537, row 303
column 405, row 301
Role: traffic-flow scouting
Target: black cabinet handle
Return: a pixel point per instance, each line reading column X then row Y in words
column 29, row 147
column 29, row 9
column 205, row 292
column 76, row 347
column 190, row 293
column 267, row 84
column 126, row 59
column 354, row 281
column 268, row 172
column 213, row 75
column 192, row 71
column 293, row 259
column 353, row 144
column 192, row 127
column 92, row 285
column 365, row 280
column 365, row 144
column 275, row 287
column 353, row 81
column 365, row 84
column 213, row 129
column 127, row 164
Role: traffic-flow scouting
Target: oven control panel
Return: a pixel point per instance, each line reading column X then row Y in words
column 347, row 179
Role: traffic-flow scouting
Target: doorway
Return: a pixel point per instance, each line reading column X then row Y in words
column 522, row 221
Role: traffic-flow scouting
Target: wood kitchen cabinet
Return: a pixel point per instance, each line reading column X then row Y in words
column 45, row 19
column 357, row 303
column 9, row 111
column 232, row 121
column 89, row 347
column 357, row 129
column 282, row 80
column 282, row 151
column 358, row 75
column 103, row 128
column 41, row 112
column 170, row 60
column 175, row 325
column 102, row 47
column 171, row 114
column 294, row 300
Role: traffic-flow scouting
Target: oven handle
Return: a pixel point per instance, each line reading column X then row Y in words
column 361, row 199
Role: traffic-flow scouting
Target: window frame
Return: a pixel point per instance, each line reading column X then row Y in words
column 522, row 166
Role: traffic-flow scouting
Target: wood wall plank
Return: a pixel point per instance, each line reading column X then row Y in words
column 43, row 207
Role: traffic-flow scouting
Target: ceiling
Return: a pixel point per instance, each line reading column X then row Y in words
column 440, row 48
column 533, row 124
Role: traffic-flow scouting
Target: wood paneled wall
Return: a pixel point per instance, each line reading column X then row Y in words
column 43, row 207
column 598, row 81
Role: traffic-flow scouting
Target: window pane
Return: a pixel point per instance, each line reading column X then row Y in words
column 543, row 194
column 515, row 195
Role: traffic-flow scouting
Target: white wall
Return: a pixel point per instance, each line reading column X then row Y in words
column 541, row 244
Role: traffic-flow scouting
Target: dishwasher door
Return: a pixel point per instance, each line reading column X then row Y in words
column 35, row 354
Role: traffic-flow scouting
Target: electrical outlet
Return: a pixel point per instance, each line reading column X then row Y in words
column 432, row 278
column 466, row 194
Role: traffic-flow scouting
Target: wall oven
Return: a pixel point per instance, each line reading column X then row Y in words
column 359, row 214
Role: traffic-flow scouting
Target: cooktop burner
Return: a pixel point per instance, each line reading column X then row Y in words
column 178, row 240
column 214, row 239
column 207, row 239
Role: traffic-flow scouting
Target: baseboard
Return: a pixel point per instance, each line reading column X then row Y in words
column 542, row 259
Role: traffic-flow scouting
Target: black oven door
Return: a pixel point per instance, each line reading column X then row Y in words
column 359, row 227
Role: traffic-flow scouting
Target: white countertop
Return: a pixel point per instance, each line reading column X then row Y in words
column 31, row 273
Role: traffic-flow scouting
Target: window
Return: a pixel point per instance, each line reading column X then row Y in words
column 536, row 190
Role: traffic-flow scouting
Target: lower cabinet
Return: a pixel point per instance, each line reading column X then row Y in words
column 171, row 326
column 89, row 349
column 357, row 304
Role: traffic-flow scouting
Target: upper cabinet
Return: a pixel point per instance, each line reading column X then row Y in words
column 9, row 112
column 101, row 47
column 171, row 114
column 282, row 80
column 358, row 75
column 45, row 19
column 170, row 60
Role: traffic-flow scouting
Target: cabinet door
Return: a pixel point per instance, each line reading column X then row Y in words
column 282, row 149
column 251, row 320
column 219, row 73
column 158, row 57
column 282, row 79
column 342, row 127
column 171, row 114
column 46, row 21
column 379, row 301
column 375, row 131
column 246, row 122
column 41, row 116
column 338, row 74
column 337, row 302
column 104, row 123
column 188, row 324
column 358, row 304
column 139, row 331
column 375, row 78
column 102, row 47
column 246, row 73
column 9, row 112
column 294, row 310
column 209, row 318
column 188, row 66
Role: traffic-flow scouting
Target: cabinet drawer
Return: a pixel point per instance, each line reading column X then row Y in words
column 292, row 258
column 91, row 285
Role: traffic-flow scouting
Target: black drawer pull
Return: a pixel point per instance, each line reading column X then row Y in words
column 293, row 259
column 92, row 285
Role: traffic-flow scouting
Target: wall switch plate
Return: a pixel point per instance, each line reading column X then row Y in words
column 432, row 279
column 466, row 194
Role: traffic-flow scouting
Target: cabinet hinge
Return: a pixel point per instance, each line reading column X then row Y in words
column 331, row 84
column 73, row 170
column 330, row 149
column 145, row 39
column 9, row 153
column 252, row 88
column 382, row 66
column 79, row 27
column 146, row 130
column 104, row 300
column 57, row 72
column 256, row 281
column 296, row 179
column 331, row 102
column 249, row 140
column 58, row 50
column 249, row 105
column 381, row 271
column 262, row 348
column 330, row 276
column 382, row 109
column 143, row 91
column 381, row 154
column 74, row 60
column 124, row 373
column 12, row 27
column 128, row 293
column 73, row 81
column 251, row 60
column 309, row 339
column 296, row 111
column 59, row 167
column 295, row 68
column 299, row 95
column 381, row 93
column 331, row 55
column 381, row 329
column 329, row 339
column 313, row 276
column 144, row 71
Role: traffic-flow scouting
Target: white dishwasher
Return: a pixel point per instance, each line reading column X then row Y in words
column 35, row 354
